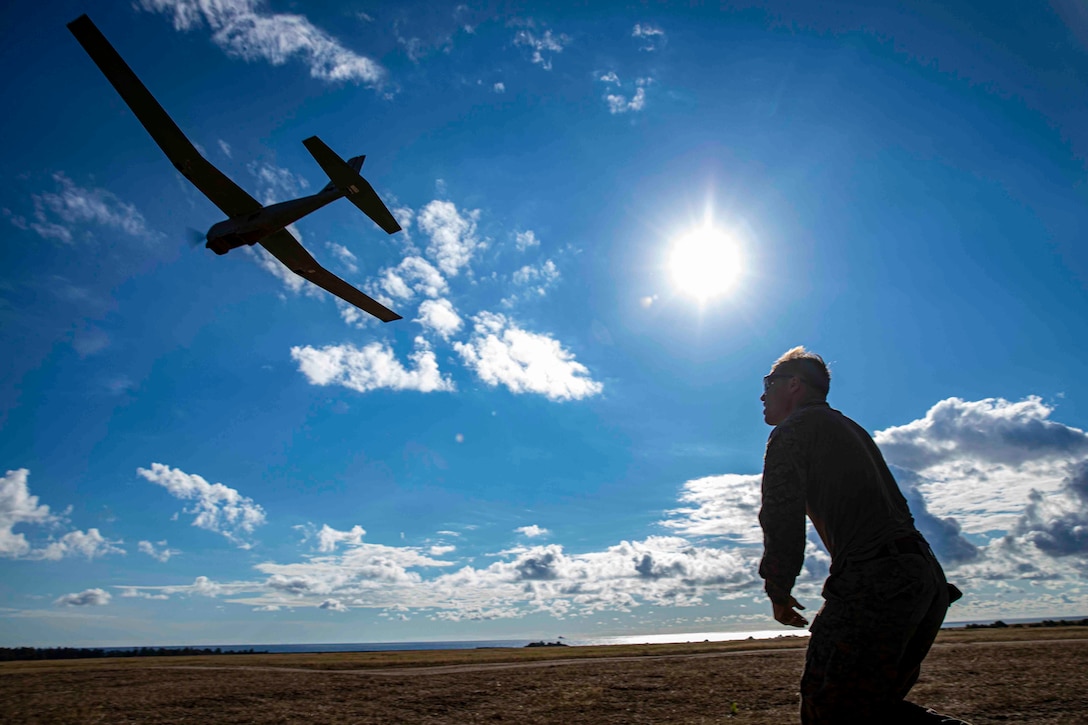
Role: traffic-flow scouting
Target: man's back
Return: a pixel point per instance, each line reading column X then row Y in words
column 850, row 495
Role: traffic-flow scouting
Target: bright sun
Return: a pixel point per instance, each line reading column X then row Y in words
column 705, row 263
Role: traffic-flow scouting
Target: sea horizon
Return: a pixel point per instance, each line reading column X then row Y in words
column 517, row 642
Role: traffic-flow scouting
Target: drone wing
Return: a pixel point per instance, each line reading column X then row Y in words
column 212, row 182
column 283, row 246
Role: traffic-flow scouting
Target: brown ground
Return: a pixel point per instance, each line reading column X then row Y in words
column 985, row 676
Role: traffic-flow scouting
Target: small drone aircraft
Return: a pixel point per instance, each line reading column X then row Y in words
column 249, row 222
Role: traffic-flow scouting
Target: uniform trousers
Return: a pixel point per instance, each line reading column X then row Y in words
column 878, row 621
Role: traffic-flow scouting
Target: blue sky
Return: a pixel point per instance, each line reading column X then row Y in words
column 563, row 435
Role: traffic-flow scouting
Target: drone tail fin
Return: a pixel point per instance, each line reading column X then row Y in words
column 344, row 175
column 355, row 162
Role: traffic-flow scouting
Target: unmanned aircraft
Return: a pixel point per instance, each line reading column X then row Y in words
column 249, row 222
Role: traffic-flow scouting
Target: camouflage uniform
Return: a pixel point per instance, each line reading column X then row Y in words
column 885, row 597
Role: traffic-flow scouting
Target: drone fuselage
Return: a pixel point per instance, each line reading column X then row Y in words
column 251, row 228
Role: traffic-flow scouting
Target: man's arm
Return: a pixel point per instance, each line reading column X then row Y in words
column 783, row 520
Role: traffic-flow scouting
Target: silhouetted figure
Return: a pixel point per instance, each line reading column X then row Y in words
column 886, row 595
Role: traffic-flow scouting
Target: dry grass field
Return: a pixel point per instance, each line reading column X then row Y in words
column 986, row 676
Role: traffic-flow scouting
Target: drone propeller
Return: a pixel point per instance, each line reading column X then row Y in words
column 196, row 238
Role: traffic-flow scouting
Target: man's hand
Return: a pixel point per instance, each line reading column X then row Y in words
column 787, row 613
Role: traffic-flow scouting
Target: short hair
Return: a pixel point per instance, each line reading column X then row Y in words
column 806, row 365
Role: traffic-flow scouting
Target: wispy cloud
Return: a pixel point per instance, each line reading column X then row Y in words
column 532, row 531
column 619, row 103
column 525, row 240
column 276, row 183
column 500, row 352
column 372, row 367
column 345, row 256
column 59, row 214
column 245, row 29
column 542, row 45
column 540, row 277
column 724, row 506
column 159, row 551
column 217, row 508
column 651, row 36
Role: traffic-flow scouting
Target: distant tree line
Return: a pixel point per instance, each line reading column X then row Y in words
column 9, row 654
column 1045, row 623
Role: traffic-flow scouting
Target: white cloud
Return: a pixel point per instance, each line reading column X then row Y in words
column 163, row 554
column 499, row 88
column 525, row 240
column 57, row 213
column 980, row 460
column 345, row 256
column 372, row 367
column 725, row 506
column 77, row 543
column 441, row 549
column 453, row 235
column 218, row 508
column 532, row 531
column 411, row 276
column 225, row 148
column 85, row 598
column 18, row 506
column 329, row 538
column 620, row 104
column 542, row 46
column 440, row 317
column 243, row 29
column 333, row 605
column 405, row 216
column 1057, row 523
column 610, row 77
column 525, row 362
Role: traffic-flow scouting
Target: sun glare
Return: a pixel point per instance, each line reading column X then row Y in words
column 705, row 263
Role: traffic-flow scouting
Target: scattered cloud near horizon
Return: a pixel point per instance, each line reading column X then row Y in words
column 711, row 553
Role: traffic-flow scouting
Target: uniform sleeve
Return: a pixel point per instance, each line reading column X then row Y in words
column 782, row 516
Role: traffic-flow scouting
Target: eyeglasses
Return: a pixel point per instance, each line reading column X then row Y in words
column 768, row 380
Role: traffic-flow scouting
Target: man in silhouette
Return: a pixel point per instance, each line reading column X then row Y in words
column 886, row 595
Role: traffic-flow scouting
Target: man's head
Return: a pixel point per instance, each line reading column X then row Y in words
column 797, row 377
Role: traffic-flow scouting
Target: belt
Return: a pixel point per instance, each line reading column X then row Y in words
column 912, row 544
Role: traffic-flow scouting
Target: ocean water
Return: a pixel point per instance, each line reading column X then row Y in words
column 495, row 643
